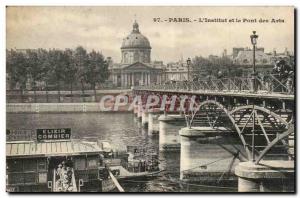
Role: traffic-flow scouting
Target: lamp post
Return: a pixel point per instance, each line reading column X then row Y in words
column 188, row 62
column 253, row 38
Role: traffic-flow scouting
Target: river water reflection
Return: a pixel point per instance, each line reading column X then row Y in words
column 121, row 130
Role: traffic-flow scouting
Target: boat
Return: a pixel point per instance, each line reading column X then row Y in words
column 136, row 162
column 64, row 165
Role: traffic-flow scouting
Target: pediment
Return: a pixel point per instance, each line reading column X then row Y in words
column 137, row 66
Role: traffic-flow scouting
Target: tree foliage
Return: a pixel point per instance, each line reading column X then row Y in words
column 211, row 65
column 56, row 67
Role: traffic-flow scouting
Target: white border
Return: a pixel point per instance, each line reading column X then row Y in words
column 3, row 3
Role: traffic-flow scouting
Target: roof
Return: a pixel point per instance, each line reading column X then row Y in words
column 50, row 148
column 135, row 39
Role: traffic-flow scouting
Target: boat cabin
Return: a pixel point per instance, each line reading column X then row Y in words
column 33, row 166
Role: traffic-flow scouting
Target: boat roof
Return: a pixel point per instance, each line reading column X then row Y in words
column 31, row 149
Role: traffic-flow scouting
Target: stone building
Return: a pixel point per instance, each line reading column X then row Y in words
column 243, row 59
column 136, row 67
column 244, row 56
column 176, row 71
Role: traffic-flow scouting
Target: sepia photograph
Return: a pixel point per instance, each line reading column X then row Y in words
column 185, row 99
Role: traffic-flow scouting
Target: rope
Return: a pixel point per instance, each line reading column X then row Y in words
column 229, row 167
column 206, row 164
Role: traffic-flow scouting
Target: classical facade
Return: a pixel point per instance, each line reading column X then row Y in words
column 136, row 67
column 177, row 71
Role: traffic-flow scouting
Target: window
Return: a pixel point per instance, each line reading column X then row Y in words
column 125, row 58
column 42, row 177
column 92, row 162
column 29, row 165
column 79, row 164
column 42, row 165
column 15, row 165
column 136, row 57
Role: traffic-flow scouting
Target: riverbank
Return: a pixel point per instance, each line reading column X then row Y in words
column 62, row 107
column 62, row 96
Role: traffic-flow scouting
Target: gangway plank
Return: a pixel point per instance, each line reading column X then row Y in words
column 116, row 182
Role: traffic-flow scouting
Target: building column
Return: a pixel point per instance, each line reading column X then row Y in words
column 159, row 79
column 126, row 79
column 129, row 79
column 132, row 79
column 148, row 78
column 142, row 78
column 122, row 80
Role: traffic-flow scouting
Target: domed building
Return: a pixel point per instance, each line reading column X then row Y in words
column 136, row 67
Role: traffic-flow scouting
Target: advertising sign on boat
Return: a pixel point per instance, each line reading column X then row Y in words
column 53, row 134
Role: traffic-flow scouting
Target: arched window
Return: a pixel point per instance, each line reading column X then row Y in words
column 125, row 57
column 136, row 57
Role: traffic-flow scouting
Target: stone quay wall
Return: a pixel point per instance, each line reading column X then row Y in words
column 58, row 107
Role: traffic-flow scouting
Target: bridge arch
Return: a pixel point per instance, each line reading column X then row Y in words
column 271, row 128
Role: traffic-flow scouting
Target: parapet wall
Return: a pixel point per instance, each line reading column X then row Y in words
column 57, row 107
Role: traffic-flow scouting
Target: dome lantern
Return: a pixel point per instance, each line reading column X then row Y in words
column 135, row 27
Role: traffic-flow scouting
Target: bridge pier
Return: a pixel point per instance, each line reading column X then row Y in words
column 145, row 118
column 135, row 110
column 208, row 155
column 169, row 125
column 268, row 176
column 153, row 125
column 150, row 123
column 291, row 143
column 139, row 112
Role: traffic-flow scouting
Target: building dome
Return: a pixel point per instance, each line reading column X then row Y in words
column 135, row 39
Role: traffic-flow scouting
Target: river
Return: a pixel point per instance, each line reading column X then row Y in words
column 121, row 130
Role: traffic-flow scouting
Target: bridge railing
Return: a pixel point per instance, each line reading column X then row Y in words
column 267, row 84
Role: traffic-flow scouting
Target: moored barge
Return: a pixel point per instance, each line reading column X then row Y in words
column 33, row 166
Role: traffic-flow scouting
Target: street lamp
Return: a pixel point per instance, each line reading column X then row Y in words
column 188, row 62
column 253, row 38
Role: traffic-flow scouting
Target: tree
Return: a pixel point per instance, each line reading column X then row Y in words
column 201, row 65
column 212, row 65
column 46, row 69
column 70, row 69
column 57, row 62
column 81, row 60
column 34, row 68
column 96, row 70
column 16, row 68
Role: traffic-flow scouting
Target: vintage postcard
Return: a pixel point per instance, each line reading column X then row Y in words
column 150, row 99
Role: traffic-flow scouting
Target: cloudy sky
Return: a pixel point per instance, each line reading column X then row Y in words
column 103, row 29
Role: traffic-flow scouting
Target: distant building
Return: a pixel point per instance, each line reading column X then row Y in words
column 177, row 71
column 243, row 59
column 136, row 67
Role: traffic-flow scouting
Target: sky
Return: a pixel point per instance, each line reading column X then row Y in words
column 103, row 29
